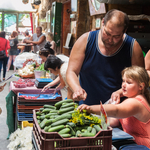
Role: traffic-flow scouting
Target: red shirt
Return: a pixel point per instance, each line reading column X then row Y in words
column 3, row 45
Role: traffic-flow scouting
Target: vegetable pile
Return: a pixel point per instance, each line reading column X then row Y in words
column 21, row 83
column 65, row 119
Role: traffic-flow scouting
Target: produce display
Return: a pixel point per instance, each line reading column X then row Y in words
column 27, row 70
column 23, row 83
column 65, row 119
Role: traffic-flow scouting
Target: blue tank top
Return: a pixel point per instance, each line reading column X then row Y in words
column 100, row 75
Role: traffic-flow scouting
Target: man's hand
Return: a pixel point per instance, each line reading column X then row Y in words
column 115, row 96
column 79, row 94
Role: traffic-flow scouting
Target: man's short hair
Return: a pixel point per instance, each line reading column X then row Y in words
column 40, row 28
column 112, row 13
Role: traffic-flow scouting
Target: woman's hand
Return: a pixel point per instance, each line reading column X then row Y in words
column 84, row 107
column 45, row 88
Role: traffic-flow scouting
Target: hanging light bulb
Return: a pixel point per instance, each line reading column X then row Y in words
column 25, row 1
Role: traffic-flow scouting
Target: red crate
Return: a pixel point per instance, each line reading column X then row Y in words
column 53, row 141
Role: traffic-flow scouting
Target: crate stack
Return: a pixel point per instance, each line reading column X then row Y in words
column 52, row 140
column 25, row 107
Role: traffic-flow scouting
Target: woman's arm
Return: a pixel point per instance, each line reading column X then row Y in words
column 54, row 82
column 129, row 107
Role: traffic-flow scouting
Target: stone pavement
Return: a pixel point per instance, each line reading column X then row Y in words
column 3, row 127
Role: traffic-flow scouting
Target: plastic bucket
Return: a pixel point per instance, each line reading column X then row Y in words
column 39, row 73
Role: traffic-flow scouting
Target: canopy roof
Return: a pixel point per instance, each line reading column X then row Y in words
column 15, row 5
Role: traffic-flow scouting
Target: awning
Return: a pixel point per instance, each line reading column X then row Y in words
column 15, row 5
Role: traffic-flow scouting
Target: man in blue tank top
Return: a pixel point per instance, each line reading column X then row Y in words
column 98, row 57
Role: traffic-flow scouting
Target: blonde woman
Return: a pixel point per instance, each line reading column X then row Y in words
column 13, row 48
column 49, row 37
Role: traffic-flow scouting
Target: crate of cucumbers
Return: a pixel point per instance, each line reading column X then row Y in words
column 63, row 126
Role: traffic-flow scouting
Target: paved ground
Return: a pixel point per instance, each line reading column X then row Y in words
column 3, row 127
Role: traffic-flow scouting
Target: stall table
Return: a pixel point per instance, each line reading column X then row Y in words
column 11, row 103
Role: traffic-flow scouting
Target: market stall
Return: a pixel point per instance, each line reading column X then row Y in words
column 17, row 106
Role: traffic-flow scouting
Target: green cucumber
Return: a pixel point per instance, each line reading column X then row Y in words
column 56, row 128
column 64, row 110
column 89, row 129
column 64, row 131
column 48, row 122
column 42, row 117
column 49, row 106
column 86, row 134
column 58, row 104
column 78, row 132
column 60, row 122
column 38, row 113
column 67, row 116
column 97, row 127
column 93, row 131
column 69, row 112
column 38, row 117
column 42, row 124
column 65, row 135
column 53, row 111
column 72, row 132
column 68, row 105
column 38, row 121
column 50, row 114
column 41, row 109
column 71, row 124
column 46, row 110
column 46, row 128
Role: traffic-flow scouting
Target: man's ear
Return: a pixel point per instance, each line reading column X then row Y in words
column 103, row 22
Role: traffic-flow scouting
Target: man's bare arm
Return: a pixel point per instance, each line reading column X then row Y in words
column 75, row 63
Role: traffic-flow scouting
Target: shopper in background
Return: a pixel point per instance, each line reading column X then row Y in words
column 99, row 57
column 4, row 45
column 38, row 40
column 26, row 48
column 13, row 52
column 134, row 112
column 49, row 37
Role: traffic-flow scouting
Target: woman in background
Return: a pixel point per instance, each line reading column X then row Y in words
column 56, row 66
column 13, row 49
column 4, row 45
column 49, row 38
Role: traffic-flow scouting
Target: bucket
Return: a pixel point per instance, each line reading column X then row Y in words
column 39, row 73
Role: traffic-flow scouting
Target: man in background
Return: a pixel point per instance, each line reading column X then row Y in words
column 38, row 40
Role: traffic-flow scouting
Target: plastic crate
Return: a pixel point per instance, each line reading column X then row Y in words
column 26, row 124
column 53, row 141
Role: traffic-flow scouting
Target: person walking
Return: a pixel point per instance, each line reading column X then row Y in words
column 4, row 46
column 13, row 52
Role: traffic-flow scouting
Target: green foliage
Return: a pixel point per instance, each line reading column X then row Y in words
column 82, row 118
column 41, row 67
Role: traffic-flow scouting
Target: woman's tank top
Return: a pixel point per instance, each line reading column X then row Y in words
column 100, row 75
column 139, row 130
